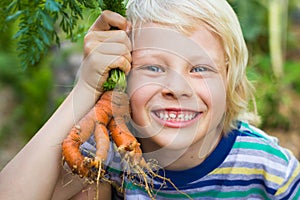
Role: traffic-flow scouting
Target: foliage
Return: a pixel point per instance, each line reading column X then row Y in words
column 115, row 5
column 253, row 25
column 32, row 89
column 260, row 31
column 292, row 76
column 40, row 25
column 274, row 106
column 36, row 99
column 268, row 98
column 38, row 21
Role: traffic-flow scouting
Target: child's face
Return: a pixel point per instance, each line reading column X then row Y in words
column 176, row 86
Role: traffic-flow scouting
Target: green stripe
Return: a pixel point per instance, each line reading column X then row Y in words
column 110, row 169
column 212, row 193
column 298, row 194
column 236, row 194
column 263, row 147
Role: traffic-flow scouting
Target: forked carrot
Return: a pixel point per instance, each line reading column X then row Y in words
column 94, row 122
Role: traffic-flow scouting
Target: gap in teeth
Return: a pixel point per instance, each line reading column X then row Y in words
column 176, row 116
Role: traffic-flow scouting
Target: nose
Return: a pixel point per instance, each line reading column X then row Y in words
column 177, row 86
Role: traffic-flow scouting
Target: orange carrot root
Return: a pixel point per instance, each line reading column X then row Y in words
column 95, row 121
column 72, row 154
column 125, row 141
column 111, row 103
column 102, row 142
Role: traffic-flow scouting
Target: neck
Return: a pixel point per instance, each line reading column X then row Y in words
column 181, row 159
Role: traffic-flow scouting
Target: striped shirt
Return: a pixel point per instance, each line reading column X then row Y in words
column 246, row 164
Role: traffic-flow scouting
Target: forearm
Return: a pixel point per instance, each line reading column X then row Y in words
column 33, row 172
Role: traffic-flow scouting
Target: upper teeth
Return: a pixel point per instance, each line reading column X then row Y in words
column 178, row 116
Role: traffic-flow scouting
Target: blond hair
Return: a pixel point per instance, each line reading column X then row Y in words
column 185, row 16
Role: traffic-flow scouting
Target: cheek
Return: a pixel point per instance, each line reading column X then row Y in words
column 213, row 94
column 140, row 94
column 137, row 103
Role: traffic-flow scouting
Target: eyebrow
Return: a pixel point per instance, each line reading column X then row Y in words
column 156, row 53
column 170, row 41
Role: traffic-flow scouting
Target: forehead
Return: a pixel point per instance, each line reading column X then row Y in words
column 200, row 44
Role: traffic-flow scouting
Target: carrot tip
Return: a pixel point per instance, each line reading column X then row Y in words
column 78, row 127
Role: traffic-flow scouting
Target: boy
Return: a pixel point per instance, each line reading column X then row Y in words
column 189, row 96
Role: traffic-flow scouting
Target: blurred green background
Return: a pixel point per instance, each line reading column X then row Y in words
column 41, row 50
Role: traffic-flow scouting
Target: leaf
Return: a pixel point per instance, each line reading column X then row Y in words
column 116, row 80
column 11, row 6
column 39, row 44
column 114, row 5
column 14, row 16
column 52, row 6
column 47, row 21
column 45, row 36
column 21, row 32
column 90, row 4
column 36, row 24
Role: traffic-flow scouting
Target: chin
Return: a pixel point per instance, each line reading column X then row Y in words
column 173, row 142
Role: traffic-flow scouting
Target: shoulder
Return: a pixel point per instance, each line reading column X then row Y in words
column 262, row 144
column 262, row 153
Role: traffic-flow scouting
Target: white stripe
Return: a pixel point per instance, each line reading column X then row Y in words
column 256, row 160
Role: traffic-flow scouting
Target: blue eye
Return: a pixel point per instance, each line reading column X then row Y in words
column 200, row 68
column 153, row 68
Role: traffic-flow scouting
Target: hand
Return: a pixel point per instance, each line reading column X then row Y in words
column 105, row 49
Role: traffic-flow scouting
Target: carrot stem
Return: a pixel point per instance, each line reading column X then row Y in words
column 116, row 80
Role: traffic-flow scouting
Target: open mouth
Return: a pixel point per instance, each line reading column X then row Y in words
column 178, row 116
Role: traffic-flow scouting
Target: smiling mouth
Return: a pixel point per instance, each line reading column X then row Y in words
column 178, row 116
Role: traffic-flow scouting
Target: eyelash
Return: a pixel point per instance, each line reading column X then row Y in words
column 153, row 68
column 194, row 69
column 202, row 67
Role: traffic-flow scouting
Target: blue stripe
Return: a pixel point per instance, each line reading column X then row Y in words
column 293, row 189
column 222, row 182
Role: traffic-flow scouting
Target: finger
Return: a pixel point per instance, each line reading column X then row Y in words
column 116, row 36
column 109, row 49
column 115, row 49
column 122, row 63
column 97, row 38
column 128, row 27
column 102, row 64
column 107, row 20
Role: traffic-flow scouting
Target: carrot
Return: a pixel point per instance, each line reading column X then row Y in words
column 72, row 154
column 95, row 121
column 112, row 107
column 124, row 139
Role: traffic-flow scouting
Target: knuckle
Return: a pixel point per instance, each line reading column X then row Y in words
column 123, row 48
column 88, row 48
column 104, row 17
column 123, row 35
column 88, row 36
column 104, row 13
column 123, row 63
